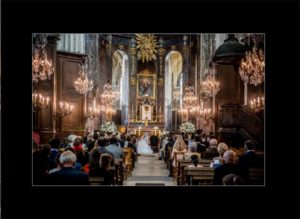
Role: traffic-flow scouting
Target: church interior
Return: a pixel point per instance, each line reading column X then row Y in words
column 148, row 109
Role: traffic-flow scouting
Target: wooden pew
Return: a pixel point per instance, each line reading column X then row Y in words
column 119, row 172
column 204, row 175
column 256, row 176
column 182, row 163
column 96, row 181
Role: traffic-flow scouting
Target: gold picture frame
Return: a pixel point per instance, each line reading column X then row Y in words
column 146, row 85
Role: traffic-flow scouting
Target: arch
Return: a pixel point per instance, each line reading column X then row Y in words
column 120, row 80
column 173, row 79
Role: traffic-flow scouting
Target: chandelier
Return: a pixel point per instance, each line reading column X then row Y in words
column 39, row 102
column 63, row 109
column 252, row 68
column 210, row 86
column 42, row 67
column 189, row 99
column 147, row 46
column 94, row 111
column 109, row 95
column 257, row 104
column 83, row 84
column 176, row 98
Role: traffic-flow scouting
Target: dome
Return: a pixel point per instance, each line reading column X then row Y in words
column 231, row 48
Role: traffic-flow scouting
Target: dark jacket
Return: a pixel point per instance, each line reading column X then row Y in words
column 224, row 170
column 69, row 176
column 100, row 172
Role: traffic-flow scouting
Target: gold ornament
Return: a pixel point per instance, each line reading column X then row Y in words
column 133, row 80
column 147, row 47
column 160, row 81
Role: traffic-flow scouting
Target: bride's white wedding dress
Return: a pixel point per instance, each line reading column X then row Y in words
column 143, row 147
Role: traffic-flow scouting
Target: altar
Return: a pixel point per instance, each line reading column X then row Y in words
column 139, row 128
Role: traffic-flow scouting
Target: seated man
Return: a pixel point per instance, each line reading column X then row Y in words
column 228, row 167
column 68, row 175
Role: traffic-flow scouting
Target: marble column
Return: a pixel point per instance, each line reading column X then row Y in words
column 92, row 50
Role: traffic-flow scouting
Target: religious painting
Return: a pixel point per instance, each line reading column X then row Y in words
column 146, row 85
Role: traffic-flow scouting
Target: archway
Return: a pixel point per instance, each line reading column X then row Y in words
column 173, row 82
column 120, row 82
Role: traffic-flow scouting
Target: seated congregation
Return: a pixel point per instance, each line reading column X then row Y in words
column 99, row 159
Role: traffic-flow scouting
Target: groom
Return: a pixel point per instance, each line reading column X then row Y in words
column 154, row 142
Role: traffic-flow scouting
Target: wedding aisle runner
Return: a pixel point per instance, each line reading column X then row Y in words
column 149, row 171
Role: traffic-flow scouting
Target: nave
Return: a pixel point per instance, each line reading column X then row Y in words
column 150, row 171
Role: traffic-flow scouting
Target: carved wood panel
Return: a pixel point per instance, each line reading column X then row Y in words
column 68, row 65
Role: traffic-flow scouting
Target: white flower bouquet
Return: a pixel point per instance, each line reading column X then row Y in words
column 109, row 127
column 187, row 127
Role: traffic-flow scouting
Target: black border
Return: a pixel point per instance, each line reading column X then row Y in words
column 20, row 200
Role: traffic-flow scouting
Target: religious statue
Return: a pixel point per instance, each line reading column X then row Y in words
column 146, row 86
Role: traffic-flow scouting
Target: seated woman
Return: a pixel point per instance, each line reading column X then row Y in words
column 218, row 161
column 179, row 149
column 192, row 151
column 103, row 170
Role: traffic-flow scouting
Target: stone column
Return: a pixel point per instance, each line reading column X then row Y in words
column 132, row 85
column 92, row 50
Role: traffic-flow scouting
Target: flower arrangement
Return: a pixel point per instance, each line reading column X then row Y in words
column 109, row 127
column 187, row 127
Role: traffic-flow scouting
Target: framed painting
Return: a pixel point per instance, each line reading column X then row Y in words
column 146, row 84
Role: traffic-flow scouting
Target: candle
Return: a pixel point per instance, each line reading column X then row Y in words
column 61, row 105
column 71, row 108
column 94, row 103
column 47, row 100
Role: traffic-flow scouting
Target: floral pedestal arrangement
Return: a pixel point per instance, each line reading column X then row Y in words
column 187, row 127
column 109, row 128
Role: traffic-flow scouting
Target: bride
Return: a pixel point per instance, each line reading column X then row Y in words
column 143, row 147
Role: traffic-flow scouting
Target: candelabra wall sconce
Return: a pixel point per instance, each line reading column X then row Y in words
column 64, row 109
column 94, row 111
column 39, row 102
column 257, row 104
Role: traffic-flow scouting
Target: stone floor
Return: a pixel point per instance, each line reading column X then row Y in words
column 149, row 171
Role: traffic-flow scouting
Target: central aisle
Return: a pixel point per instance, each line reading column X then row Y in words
column 149, row 171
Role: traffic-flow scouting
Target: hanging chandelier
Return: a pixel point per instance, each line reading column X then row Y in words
column 252, row 68
column 189, row 99
column 42, row 67
column 210, row 86
column 83, row 84
column 109, row 95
